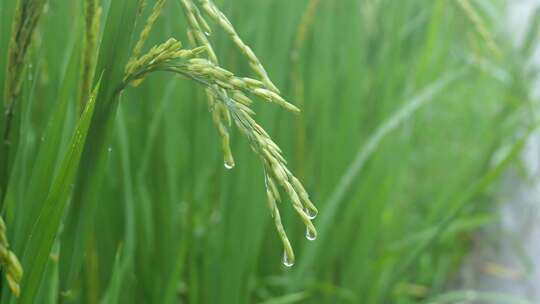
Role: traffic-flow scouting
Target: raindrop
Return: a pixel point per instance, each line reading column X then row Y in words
column 110, row 149
column 312, row 214
column 310, row 235
column 287, row 260
column 207, row 34
column 228, row 165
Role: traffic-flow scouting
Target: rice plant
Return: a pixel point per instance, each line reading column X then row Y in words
column 118, row 182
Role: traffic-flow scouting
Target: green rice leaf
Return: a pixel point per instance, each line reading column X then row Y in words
column 37, row 254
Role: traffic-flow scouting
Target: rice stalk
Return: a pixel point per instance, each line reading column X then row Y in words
column 143, row 36
column 197, row 35
column 92, row 16
column 169, row 56
column 229, row 98
column 27, row 15
column 213, row 11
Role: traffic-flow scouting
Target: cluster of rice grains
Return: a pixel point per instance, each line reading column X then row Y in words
column 9, row 262
column 228, row 100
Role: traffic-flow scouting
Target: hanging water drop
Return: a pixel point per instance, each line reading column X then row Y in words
column 311, row 235
column 207, row 34
column 287, row 260
column 228, row 165
column 311, row 213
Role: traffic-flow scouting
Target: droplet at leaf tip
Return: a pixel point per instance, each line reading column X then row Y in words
column 288, row 260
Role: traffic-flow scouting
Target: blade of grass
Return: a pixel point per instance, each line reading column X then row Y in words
column 47, row 157
column 120, row 271
column 125, row 256
column 113, row 56
column 44, row 231
column 25, row 209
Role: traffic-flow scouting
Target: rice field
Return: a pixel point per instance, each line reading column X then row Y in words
column 268, row 151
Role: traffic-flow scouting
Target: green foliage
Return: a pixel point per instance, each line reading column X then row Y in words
column 408, row 117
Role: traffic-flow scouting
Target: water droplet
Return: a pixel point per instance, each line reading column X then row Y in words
column 310, row 235
column 287, row 260
column 228, row 165
column 109, row 150
column 312, row 214
column 207, row 34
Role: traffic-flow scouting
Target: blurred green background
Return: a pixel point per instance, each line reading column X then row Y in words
column 409, row 117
